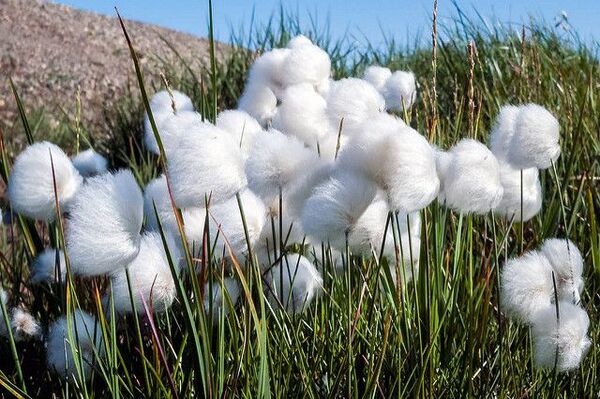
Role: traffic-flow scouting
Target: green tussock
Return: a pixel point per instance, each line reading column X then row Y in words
column 441, row 335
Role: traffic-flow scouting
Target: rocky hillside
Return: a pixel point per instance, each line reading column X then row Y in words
column 51, row 50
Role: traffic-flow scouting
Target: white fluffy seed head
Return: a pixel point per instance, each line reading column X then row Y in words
column 227, row 224
column 377, row 76
column 301, row 188
column 161, row 105
column 31, row 184
column 366, row 235
column 275, row 161
column 298, row 41
column 302, row 114
column 103, row 230
column 503, row 131
column 376, row 126
column 225, row 295
column 563, row 342
column 401, row 161
column 526, row 286
column 293, row 200
column 403, row 256
column 206, row 163
column 46, row 268
column 354, row 101
column 89, row 163
column 226, row 228
column 400, row 91
column 335, row 206
column 241, row 126
column 510, row 204
column 470, row 181
column 306, row 63
column 443, row 159
column 535, row 141
column 267, row 71
column 24, row 325
column 171, row 129
column 194, row 220
column 259, row 101
column 149, row 275
column 293, row 284
column 566, row 260
column 163, row 102
column 156, row 194
column 80, row 334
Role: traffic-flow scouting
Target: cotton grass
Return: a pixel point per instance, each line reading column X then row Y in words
column 24, row 326
column 335, row 207
column 103, row 230
column 73, row 344
column 399, row 91
column 149, row 276
column 527, row 286
column 353, row 101
column 207, row 163
column 293, row 284
column 32, row 182
column 470, row 178
column 90, row 163
column 543, row 288
column 561, row 341
column 49, row 267
column 275, row 161
column 401, row 161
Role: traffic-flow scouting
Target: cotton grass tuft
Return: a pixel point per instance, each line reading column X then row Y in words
column 161, row 105
column 293, row 284
column 534, row 143
column 275, row 161
column 241, row 126
column 303, row 114
column 77, row 334
column 171, row 129
column 24, row 326
column 149, row 275
column 377, row 76
column 401, row 161
column 354, row 101
column 31, row 183
column 515, row 196
column 400, row 91
column 567, row 263
column 306, row 63
column 470, row 178
column 526, row 286
column 205, row 164
column 563, row 341
column 335, row 207
column 46, row 269
column 103, row 230
column 89, row 163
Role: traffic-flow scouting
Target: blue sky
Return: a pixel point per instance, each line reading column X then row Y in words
column 353, row 19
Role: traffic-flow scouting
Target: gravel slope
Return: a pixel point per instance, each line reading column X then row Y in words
column 50, row 50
